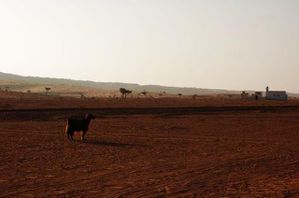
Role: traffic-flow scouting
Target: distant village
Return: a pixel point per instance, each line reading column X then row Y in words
column 268, row 95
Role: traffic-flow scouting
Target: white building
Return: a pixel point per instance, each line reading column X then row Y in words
column 276, row 95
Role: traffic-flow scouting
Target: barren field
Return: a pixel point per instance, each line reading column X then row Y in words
column 212, row 149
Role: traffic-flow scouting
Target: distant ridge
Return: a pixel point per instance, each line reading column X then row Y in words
column 23, row 83
column 27, row 81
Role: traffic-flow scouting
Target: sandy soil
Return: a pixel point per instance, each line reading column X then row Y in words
column 211, row 154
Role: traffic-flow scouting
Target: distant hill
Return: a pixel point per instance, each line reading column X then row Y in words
column 19, row 83
column 37, row 84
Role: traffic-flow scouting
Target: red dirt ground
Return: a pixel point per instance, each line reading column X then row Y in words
column 210, row 154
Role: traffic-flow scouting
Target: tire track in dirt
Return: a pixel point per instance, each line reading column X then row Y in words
column 62, row 113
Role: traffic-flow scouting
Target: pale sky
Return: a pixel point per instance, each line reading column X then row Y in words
column 225, row 44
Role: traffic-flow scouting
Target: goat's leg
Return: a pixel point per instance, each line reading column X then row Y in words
column 83, row 135
column 67, row 131
column 70, row 135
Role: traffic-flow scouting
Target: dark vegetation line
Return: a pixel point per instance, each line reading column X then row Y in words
column 156, row 110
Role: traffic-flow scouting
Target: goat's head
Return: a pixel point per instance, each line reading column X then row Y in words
column 89, row 116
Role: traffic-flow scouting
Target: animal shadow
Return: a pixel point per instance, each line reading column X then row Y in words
column 108, row 143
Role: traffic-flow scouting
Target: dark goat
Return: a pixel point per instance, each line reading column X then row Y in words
column 75, row 124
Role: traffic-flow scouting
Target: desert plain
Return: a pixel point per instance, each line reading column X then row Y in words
column 149, row 147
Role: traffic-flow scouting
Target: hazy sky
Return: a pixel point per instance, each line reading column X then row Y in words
column 230, row 44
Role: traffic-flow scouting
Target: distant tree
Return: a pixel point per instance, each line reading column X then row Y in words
column 6, row 88
column 47, row 90
column 194, row 96
column 144, row 93
column 124, row 92
column 28, row 91
column 244, row 95
column 180, row 95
